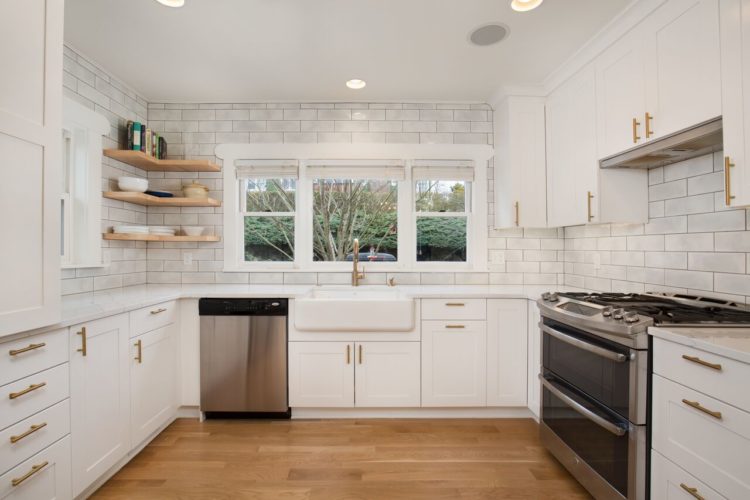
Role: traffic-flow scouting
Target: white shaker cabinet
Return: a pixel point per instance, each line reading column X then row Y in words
column 520, row 165
column 506, row 352
column 387, row 374
column 31, row 41
column 321, row 374
column 535, row 359
column 735, row 80
column 99, row 397
column 45, row 476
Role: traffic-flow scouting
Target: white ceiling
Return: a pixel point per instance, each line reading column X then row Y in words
column 304, row 50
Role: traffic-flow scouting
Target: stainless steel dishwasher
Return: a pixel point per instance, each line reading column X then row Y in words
column 243, row 351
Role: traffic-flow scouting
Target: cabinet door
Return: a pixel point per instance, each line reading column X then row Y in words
column 506, row 352
column 621, row 94
column 321, row 374
column 454, row 363
column 45, row 476
column 31, row 39
column 152, row 382
column 387, row 374
column 683, row 66
column 572, row 164
column 735, row 80
column 99, row 397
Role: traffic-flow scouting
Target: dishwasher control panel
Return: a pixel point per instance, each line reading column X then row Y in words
column 243, row 307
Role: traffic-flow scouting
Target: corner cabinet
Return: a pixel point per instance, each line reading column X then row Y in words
column 735, row 78
column 31, row 37
column 520, row 176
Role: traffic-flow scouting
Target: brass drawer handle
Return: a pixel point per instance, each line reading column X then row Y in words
column 589, row 198
column 696, row 359
column 728, row 197
column 360, row 354
column 700, row 407
column 518, row 213
column 692, row 491
column 82, row 333
column 348, row 354
column 139, row 356
column 455, row 304
column 33, row 387
column 30, row 347
column 158, row 311
column 649, row 119
column 34, row 469
column 455, row 326
column 32, row 430
column 636, row 137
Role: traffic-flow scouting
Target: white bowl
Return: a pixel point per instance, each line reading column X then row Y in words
column 193, row 230
column 132, row 184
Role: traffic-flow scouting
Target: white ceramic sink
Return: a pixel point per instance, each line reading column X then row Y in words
column 354, row 309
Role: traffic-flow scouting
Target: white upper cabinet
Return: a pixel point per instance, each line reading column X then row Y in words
column 682, row 66
column 520, row 177
column 735, row 79
column 31, row 41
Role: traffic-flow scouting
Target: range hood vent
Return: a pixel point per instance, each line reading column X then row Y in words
column 702, row 139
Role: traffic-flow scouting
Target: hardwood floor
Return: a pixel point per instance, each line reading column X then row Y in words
column 345, row 459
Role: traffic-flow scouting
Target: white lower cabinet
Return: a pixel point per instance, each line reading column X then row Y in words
column 668, row 481
column 321, row 374
column 535, row 359
column 99, row 397
column 387, row 374
column 506, row 352
column 454, row 363
column 45, row 476
column 152, row 382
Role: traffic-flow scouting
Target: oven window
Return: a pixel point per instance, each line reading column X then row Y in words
column 602, row 450
column 600, row 378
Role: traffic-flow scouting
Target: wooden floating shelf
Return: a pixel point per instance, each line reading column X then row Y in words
column 155, row 201
column 157, row 237
column 143, row 161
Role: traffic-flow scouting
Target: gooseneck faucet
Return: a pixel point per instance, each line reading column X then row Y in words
column 356, row 273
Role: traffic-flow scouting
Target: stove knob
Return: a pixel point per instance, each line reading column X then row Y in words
column 631, row 317
column 618, row 314
column 553, row 297
column 607, row 311
column 545, row 296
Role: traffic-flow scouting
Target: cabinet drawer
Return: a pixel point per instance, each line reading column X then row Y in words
column 44, row 476
column 29, row 396
column 724, row 379
column 152, row 317
column 21, row 357
column 22, row 440
column 442, row 309
column 671, row 482
column 707, row 438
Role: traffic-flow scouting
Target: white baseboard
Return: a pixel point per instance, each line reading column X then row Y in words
column 188, row 412
column 334, row 413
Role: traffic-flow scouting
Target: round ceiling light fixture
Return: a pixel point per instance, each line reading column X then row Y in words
column 489, row 34
column 525, row 5
column 172, row 3
column 356, row 84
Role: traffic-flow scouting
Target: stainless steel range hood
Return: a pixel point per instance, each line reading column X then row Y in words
column 695, row 141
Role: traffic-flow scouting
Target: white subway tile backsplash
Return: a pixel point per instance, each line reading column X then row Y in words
column 717, row 221
column 720, row 262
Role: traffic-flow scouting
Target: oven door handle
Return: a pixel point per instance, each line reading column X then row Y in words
column 601, row 422
column 617, row 357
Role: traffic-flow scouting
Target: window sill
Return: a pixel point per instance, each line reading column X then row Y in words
column 83, row 266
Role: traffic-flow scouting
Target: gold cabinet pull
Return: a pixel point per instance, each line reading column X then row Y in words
column 360, row 354
column 696, row 359
column 728, row 197
column 32, row 430
column 454, row 304
column 348, row 354
column 589, row 197
column 518, row 213
column 700, row 407
column 636, row 137
column 158, row 311
column 82, row 333
column 34, row 469
column 139, row 347
column 30, row 347
column 692, row 491
column 31, row 388
column 648, row 120
column 455, row 326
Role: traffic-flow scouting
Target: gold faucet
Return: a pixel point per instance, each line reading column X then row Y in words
column 356, row 273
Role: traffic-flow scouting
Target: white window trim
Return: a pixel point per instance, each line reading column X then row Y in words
column 356, row 154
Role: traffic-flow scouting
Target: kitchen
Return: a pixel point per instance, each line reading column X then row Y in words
column 366, row 276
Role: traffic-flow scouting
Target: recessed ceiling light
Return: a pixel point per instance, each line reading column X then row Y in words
column 356, row 84
column 172, row 3
column 525, row 5
column 488, row 34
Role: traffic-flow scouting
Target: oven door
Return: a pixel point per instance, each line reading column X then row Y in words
column 603, row 450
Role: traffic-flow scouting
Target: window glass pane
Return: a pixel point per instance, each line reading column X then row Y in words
column 344, row 209
column 441, row 239
column 440, row 196
column 270, row 195
column 269, row 239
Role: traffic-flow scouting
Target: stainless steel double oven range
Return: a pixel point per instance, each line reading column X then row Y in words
column 595, row 380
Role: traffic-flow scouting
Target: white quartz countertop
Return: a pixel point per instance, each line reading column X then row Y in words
column 732, row 343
